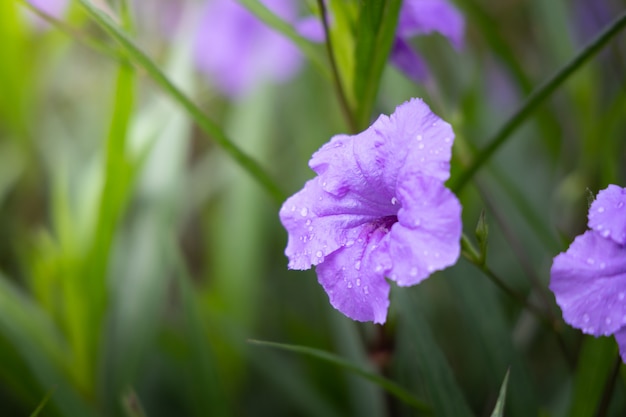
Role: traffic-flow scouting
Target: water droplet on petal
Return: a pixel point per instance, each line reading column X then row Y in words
column 620, row 296
column 430, row 268
column 308, row 222
column 357, row 265
column 413, row 272
column 606, row 233
column 366, row 290
column 293, row 208
column 417, row 222
column 586, row 318
column 447, row 140
column 394, row 201
column 358, row 282
column 608, row 320
column 319, row 254
column 419, row 137
column 620, row 204
column 420, row 146
column 349, row 243
column 304, row 211
column 600, row 209
column 591, row 261
column 378, row 268
column 349, row 284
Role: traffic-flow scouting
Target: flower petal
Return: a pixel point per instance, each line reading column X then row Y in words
column 589, row 282
column 607, row 214
column 428, row 233
column 419, row 17
column 319, row 223
column 408, row 61
column 353, row 276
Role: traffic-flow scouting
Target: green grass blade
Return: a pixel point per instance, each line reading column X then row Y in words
column 311, row 50
column 42, row 404
column 423, row 361
column 498, row 410
column 375, row 35
column 388, row 385
column 536, row 98
column 207, row 125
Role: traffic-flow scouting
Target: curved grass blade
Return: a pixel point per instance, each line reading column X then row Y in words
column 42, row 404
column 390, row 386
column 498, row 410
column 308, row 48
column 207, row 125
column 537, row 97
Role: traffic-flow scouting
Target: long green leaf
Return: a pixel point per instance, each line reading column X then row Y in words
column 536, row 98
column 207, row 125
column 498, row 410
column 390, row 386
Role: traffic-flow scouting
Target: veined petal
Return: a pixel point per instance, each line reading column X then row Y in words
column 354, row 276
column 427, row 235
column 319, row 223
column 589, row 282
column 607, row 214
column 408, row 61
column 419, row 17
column 412, row 139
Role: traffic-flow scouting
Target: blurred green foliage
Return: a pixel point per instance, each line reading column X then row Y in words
column 139, row 255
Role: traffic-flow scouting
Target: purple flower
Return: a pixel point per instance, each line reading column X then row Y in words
column 420, row 17
column 54, row 8
column 237, row 51
column 589, row 280
column 377, row 208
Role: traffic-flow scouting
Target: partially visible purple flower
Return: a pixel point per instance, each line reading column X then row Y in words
column 377, row 208
column 54, row 8
column 237, row 51
column 589, row 279
column 421, row 17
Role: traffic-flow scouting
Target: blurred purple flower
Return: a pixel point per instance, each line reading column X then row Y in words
column 421, row 17
column 236, row 50
column 54, row 8
column 377, row 208
column 589, row 279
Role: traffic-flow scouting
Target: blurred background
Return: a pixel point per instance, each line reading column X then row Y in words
column 138, row 259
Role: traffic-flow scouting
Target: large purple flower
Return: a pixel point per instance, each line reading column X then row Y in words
column 377, row 208
column 589, row 280
column 237, row 50
column 421, row 17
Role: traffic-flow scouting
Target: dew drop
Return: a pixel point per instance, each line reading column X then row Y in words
column 319, row 254
column 357, row 265
column 600, row 209
column 394, row 201
column 413, row 272
column 304, row 211
column 349, row 284
column 320, row 198
column 586, row 318
column 430, row 268
column 420, row 146
column 349, row 243
column 366, row 290
column 324, row 184
column 379, row 268
column 358, row 282
column 417, row 222
column 591, row 261
column 308, row 222
column 620, row 204
column 606, row 233
column 447, row 140
column 620, row 296
column 608, row 320
column 310, row 228
column 293, row 208
column 419, row 137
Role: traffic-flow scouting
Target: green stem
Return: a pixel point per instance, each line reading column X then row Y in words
column 207, row 125
column 609, row 387
column 537, row 97
column 341, row 93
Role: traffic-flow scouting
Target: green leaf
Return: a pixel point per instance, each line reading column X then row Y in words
column 538, row 96
column 374, row 38
column 206, row 124
column 422, row 361
column 388, row 385
column 498, row 410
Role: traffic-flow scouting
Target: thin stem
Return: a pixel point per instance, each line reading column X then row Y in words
column 341, row 93
column 537, row 97
column 207, row 125
column 609, row 387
